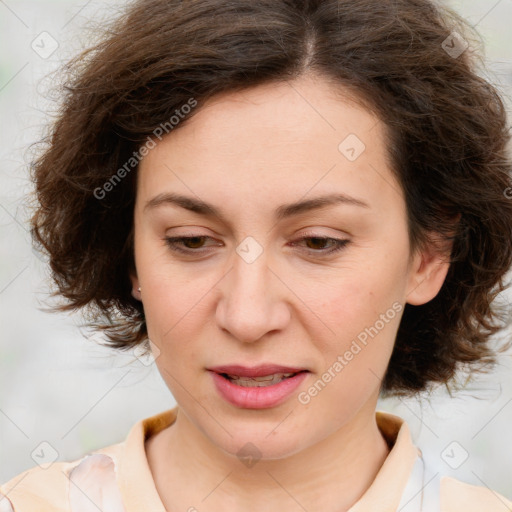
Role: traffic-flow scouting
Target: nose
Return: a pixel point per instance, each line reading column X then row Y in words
column 253, row 300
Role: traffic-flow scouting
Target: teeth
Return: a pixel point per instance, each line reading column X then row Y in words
column 266, row 380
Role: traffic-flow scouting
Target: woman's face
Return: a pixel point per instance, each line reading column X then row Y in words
column 273, row 275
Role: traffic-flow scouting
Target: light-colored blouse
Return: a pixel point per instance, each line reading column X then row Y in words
column 118, row 479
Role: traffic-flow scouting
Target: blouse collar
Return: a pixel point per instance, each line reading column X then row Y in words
column 384, row 494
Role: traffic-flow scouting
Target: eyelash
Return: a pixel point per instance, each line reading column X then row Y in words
column 172, row 242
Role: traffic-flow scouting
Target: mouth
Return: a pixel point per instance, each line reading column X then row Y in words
column 259, row 387
column 263, row 381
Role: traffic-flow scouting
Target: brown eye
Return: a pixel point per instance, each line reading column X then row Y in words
column 194, row 242
column 318, row 243
column 323, row 245
column 187, row 244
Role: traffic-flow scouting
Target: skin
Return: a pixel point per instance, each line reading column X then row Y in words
column 248, row 153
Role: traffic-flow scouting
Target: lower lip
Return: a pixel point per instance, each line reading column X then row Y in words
column 257, row 397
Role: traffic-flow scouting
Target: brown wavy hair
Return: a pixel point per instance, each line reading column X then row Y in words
column 448, row 140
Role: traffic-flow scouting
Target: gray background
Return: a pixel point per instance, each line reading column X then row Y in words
column 56, row 386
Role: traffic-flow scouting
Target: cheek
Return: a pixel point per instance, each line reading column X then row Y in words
column 355, row 299
column 177, row 293
column 355, row 357
column 362, row 308
column 172, row 312
column 172, row 316
column 170, row 305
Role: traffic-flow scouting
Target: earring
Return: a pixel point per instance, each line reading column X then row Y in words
column 139, row 289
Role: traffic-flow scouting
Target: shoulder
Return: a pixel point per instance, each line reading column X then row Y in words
column 457, row 496
column 100, row 480
column 37, row 489
column 64, row 486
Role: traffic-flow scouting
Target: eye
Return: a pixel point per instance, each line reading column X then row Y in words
column 317, row 244
column 195, row 244
column 186, row 244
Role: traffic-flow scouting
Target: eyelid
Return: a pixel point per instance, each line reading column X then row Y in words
column 340, row 244
column 314, row 233
column 173, row 243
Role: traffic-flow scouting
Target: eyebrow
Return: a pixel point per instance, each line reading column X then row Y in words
column 282, row 212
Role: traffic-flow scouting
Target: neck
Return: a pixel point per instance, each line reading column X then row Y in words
column 331, row 475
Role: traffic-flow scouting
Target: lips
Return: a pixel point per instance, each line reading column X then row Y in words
column 257, row 387
column 255, row 371
column 266, row 380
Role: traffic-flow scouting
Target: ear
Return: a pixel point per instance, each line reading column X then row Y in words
column 428, row 271
column 135, row 286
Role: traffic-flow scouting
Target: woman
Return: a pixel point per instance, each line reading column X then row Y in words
column 303, row 205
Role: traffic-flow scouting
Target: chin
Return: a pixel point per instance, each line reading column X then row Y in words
column 256, row 444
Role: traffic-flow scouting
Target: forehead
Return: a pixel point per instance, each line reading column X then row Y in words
column 276, row 138
column 307, row 109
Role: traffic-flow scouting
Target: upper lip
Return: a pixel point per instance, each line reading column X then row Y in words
column 254, row 371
